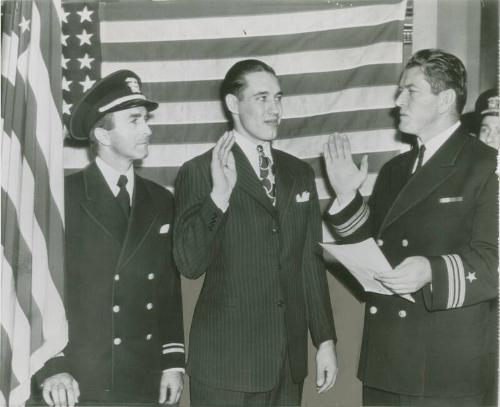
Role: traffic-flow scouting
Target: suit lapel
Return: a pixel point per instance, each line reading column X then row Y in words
column 436, row 171
column 249, row 182
column 143, row 215
column 101, row 204
column 285, row 182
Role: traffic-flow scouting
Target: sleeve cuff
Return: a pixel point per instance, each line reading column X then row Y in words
column 173, row 355
column 175, row 369
column 448, row 283
column 350, row 218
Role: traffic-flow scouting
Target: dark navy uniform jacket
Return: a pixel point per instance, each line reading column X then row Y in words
column 123, row 298
column 445, row 343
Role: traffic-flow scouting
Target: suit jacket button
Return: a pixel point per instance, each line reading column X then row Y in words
column 402, row 313
column 373, row 309
column 404, row 243
column 117, row 341
column 275, row 230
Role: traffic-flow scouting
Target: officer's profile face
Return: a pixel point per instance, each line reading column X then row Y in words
column 418, row 105
column 257, row 110
column 490, row 131
column 130, row 135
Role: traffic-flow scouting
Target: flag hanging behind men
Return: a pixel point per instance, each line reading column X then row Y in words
column 338, row 64
column 33, row 324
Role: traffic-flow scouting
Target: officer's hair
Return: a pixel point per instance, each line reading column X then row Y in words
column 443, row 71
column 235, row 80
column 106, row 122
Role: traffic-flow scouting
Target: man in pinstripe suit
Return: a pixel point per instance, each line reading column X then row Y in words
column 248, row 218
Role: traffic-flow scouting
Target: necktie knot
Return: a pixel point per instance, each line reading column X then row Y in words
column 122, row 181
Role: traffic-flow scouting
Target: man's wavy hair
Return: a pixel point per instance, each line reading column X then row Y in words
column 443, row 71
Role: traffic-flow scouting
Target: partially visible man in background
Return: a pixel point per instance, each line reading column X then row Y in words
column 123, row 294
column 489, row 132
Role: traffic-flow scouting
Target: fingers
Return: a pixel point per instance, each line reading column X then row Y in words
column 226, row 150
column 364, row 165
column 174, row 393
column 163, row 393
column 328, row 380
column 46, row 395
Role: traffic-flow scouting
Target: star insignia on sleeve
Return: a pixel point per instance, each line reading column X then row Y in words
column 471, row 277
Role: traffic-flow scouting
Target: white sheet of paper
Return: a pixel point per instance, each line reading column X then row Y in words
column 364, row 260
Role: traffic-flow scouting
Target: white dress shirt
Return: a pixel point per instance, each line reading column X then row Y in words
column 111, row 176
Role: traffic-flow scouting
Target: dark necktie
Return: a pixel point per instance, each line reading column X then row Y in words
column 267, row 175
column 123, row 197
column 420, row 158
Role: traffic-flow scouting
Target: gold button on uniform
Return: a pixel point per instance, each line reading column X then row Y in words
column 116, row 308
column 148, row 337
column 151, row 276
column 117, row 341
column 117, row 277
column 149, row 305
column 404, row 243
column 373, row 310
column 380, row 242
column 402, row 313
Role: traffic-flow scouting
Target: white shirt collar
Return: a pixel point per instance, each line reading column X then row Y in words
column 249, row 148
column 436, row 142
column 111, row 176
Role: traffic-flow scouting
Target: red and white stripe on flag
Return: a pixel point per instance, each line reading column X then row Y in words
column 33, row 324
column 338, row 64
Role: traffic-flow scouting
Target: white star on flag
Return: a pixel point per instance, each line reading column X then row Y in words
column 65, row 84
column 67, row 107
column 64, row 62
column 63, row 39
column 65, row 15
column 84, row 37
column 471, row 277
column 24, row 24
column 87, row 83
column 85, row 61
column 85, row 14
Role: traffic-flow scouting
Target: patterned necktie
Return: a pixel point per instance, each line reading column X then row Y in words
column 267, row 175
column 123, row 197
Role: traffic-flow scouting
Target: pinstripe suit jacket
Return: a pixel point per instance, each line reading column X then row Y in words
column 443, row 345
column 264, row 285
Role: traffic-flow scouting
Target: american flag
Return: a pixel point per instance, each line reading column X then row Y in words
column 338, row 64
column 33, row 324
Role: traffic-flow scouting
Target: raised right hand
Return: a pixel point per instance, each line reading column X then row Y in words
column 223, row 167
column 344, row 176
column 61, row 390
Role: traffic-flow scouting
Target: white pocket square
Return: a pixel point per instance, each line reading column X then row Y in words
column 165, row 228
column 451, row 199
column 304, row 197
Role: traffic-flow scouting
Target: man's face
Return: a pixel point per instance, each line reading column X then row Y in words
column 490, row 131
column 129, row 137
column 418, row 106
column 259, row 107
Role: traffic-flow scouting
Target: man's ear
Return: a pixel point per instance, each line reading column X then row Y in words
column 232, row 103
column 101, row 135
column 447, row 100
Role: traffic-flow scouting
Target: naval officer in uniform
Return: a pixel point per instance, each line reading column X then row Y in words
column 123, row 298
column 433, row 212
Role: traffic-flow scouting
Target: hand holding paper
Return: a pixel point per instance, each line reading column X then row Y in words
column 366, row 263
